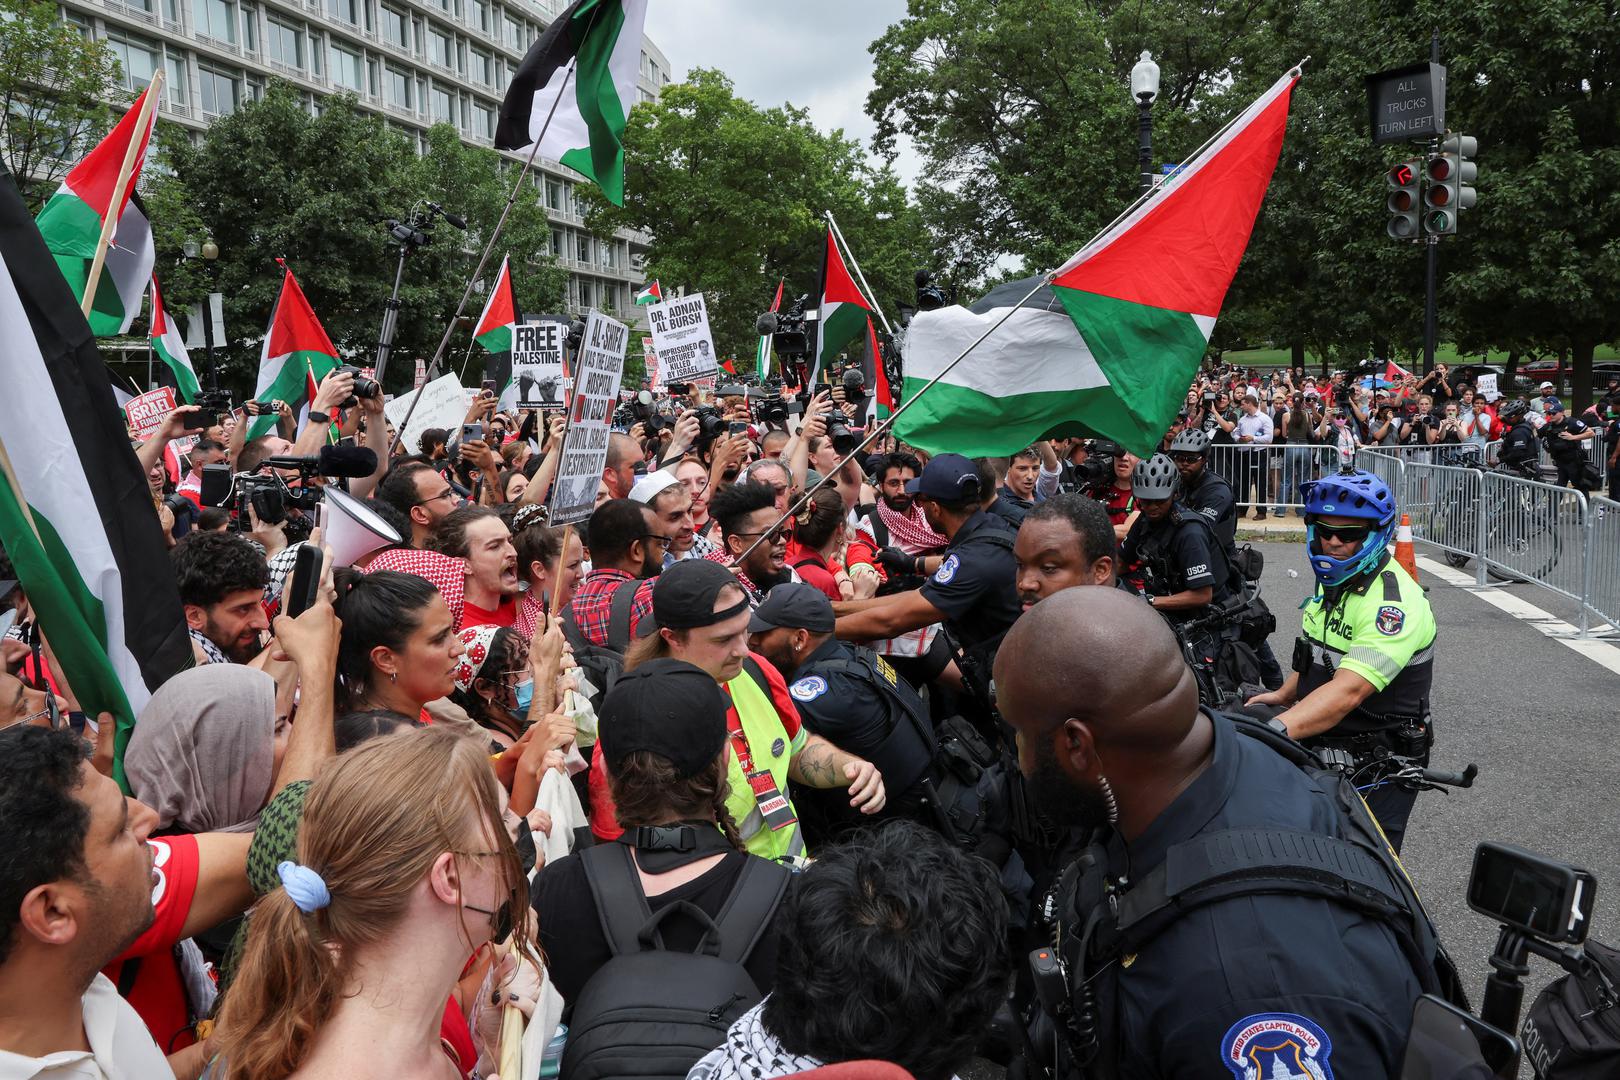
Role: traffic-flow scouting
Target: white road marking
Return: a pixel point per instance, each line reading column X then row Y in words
column 1594, row 649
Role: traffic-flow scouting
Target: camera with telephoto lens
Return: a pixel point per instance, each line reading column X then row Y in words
column 269, row 496
column 363, row 387
column 838, row 431
column 789, row 338
column 711, row 424
column 1096, row 473
column 771, row 412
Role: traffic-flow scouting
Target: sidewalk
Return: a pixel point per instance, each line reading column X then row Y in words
column 1291, row 527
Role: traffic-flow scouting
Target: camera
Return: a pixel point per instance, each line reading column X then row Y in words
column 771, row 412
column 1096, row 473
column 930, row 297
column 843, row 439
column 787, row 330
column 854, row 383
column 213, row 402
column 363, row 387
column 711, row 424
column 1535, row 895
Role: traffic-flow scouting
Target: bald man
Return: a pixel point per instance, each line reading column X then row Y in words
column 1276, row 983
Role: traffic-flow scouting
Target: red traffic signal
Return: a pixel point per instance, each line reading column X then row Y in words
column 1441, row 167
column 1402, row 174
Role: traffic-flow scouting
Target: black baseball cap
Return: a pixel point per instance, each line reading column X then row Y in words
column 793, row 606
column 665, row 707
column 949, row 477
column 684, row 595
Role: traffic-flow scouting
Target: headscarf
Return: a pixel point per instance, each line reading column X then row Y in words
column 448, row 575
column 477, row 640
column 203, row 751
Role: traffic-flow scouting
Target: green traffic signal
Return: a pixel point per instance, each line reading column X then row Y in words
column 1439, row 222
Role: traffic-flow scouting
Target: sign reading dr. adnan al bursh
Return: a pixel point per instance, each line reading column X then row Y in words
column 680, row 331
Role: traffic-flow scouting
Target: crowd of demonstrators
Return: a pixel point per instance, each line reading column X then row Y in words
column 757, row 708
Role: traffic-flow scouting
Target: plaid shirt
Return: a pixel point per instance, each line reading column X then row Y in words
column 593, row 603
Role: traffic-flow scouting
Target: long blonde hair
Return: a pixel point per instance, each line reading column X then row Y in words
column 375, row 821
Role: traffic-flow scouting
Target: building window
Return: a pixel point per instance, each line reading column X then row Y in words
column 347, row 11
column 215, row 19
column 554, row 195
column 557, row 242
column 512, row 32
column 582, row 249
column 483, row 121
column 250, row 28
column 398, row 86
column 137, row 58
column 610, row 255
column 483, row 67
column 171, row 11
column 221, row 93
column 346, row 68
column 478, row 15
column 439, row 46
column 443, row 105
column 284, row 43
column 396, row 28
column 178, row 88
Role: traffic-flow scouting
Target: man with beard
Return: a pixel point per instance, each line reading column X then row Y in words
column 1202, row 490
column 1064, row 542
column 1267, row 982
column 896, row 522
column 1184, row 570
column 627, row 549
column 671, row 502
column 422, row 495
column 222, row 578
column 747, row 513
column 477, row 536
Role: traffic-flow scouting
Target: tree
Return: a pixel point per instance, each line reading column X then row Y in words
column 53, row 79
column 733, row 196
column 272, row 181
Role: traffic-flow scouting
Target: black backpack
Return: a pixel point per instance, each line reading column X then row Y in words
column 650, row 1012
column 1572, row 1031
column 603, row 664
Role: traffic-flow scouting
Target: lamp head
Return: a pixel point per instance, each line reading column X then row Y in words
column 1145, row 79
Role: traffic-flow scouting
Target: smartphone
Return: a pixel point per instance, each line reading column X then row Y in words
column 305, row 584
column 1446, row 1043
column 471, row 432
column 347, row 440
column 738, row 428
column 1544, row 898
column 251, row 407
column 487, row 387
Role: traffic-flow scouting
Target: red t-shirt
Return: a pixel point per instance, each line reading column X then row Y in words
column 505, row 615
column 604, row 816
column 158, row 992
column 1119, row 504
column 813, row 569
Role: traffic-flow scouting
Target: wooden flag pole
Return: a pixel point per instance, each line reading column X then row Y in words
column 109, row 220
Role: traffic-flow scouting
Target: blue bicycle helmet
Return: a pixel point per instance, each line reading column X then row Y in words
column 1354, row 494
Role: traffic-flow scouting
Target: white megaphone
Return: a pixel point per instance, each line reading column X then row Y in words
column 352, row 529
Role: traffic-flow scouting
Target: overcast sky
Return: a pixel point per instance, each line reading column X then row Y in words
column 813, row 56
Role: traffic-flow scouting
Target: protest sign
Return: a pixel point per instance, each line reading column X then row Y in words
column 680, row 331
column 598, row 370
column 1485, row 386
column 146, row 412
column 443, row 404
column 655, row 381
column 538, row 378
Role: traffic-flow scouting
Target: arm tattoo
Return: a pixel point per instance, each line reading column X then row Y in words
column 820, row 764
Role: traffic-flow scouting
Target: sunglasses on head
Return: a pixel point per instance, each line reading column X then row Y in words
column 1345, row 533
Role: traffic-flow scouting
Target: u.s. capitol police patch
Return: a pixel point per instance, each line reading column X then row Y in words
column 947, row 570
column 1277, row 1046
column 808, row 688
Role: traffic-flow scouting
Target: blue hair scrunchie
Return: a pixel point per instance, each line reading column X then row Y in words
column 304, row 886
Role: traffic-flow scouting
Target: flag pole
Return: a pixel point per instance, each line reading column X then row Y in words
column 850, row 254
column 483, row 259
column 109, row 221
column 888, row 421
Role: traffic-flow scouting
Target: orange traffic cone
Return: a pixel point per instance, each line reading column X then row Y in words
column 1404, row 553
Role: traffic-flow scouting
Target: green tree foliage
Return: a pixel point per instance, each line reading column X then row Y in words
column 273, row 181
column 733, row 197
column 52, row 83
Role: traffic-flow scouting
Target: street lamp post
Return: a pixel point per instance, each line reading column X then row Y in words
column 208, row 251
column 1145, row 88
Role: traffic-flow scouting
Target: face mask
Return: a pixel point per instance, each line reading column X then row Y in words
column 523, row 694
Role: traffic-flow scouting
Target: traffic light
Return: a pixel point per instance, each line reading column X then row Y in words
column 1450, row 191
column 1402, row 202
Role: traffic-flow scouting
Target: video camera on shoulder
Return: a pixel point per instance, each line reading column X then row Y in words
column 269, row 495
column 789, row 338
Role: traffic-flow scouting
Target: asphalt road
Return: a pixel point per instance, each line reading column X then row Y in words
column 1540, row 721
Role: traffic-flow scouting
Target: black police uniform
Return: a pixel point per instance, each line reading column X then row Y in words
column 1250, row 987
column 1178, row 553
column 1518, row 445
column 853, row 698
column 975, row 586
column 1212, row 497
column 1009, row 509
column 1568, row 457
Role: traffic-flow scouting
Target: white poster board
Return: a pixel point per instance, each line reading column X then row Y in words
column 538, row 378
column 442, row 404
column 598, row 370
column 146, row 411
column 681, row 337
column 1485, row 387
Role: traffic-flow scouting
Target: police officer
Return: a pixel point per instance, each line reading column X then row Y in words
column 1183, row 568
column 1363, row 668
column 1202, row 490
column 972, row 591
column 850, row 696
column 1566, row 438
column 1173, row 978
column 1518, row 450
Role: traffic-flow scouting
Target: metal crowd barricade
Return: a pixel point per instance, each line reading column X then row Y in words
column 1268, row 477
column 1600, row 595
column 1535, row 531
column 1443, row 502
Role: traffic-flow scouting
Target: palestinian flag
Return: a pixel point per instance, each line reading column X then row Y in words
column 843, row 310
column 762, row 358
column 494, row 330
column 76, row 515
column 296, row 349
column 879, row 398
column 71, row 224
column 652, row 294
column 1112, row 351
column 585, row 66
column 166, row 342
